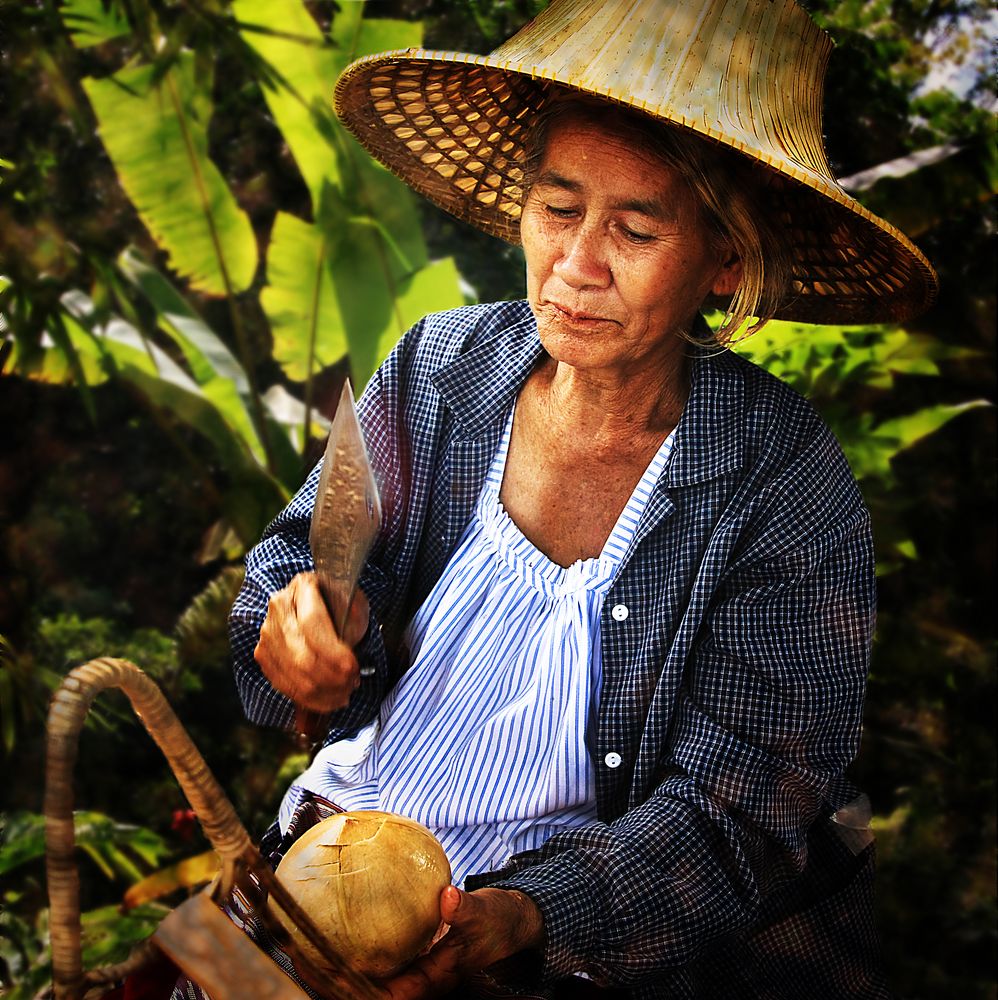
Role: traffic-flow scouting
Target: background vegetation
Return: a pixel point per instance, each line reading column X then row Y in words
column 193, row 256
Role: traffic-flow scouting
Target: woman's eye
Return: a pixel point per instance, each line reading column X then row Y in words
column 560, row 213
column 636, row 237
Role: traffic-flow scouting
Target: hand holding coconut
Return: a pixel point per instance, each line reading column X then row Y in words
column 378, row 886
column 300, row 652
column 485, row 927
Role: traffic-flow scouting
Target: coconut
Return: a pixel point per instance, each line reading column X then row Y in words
column 371, row 882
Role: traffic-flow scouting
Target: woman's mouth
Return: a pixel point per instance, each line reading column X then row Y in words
column 576, row 316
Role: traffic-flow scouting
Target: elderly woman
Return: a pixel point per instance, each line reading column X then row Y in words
column 613, row 635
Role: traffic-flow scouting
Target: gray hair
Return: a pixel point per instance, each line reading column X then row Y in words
column 728, row 189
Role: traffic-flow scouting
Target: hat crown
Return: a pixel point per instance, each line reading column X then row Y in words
column 749, row 73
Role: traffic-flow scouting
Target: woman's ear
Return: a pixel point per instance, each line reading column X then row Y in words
column 729, row 277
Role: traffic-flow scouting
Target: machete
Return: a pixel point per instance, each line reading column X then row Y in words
column 345, row 521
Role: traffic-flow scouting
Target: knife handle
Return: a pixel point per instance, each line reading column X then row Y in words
column 310, row 728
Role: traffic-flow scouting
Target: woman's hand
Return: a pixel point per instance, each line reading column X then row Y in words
column 484, row 926
column 299, row 651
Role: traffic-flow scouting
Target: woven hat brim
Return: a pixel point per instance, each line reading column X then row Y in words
column 454, row 127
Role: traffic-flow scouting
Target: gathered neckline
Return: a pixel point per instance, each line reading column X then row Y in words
column 533, row 565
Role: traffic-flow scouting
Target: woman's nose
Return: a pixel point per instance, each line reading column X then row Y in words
column 582, row 262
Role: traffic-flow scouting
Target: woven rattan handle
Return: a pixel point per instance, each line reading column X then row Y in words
column 69, row 707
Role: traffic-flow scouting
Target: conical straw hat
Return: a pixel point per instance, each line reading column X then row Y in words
column 748, row 74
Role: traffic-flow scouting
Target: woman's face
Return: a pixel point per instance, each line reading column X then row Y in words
column 618, row 258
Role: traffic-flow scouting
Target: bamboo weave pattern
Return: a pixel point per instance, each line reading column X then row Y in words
column 748, row 74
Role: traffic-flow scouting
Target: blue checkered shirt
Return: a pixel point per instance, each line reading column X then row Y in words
column 732, row 689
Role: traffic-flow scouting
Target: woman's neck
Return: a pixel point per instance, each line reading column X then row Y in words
column 606, row 409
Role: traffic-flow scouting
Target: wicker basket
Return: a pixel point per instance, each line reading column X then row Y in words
column 199, row 939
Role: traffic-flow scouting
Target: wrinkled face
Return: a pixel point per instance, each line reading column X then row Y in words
column 618, row 258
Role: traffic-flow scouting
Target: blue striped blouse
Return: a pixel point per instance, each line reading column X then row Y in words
column 484, row 738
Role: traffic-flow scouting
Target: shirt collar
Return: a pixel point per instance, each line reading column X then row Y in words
column 481, row 384
column 710, row 435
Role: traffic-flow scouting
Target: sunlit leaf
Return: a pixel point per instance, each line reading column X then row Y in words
column 92, row 22
column 432, row 288
column 910, row 429
column 302, row 64
column 356, row 35
column 46, row 363
column 300, row 299
column 186, row 874
column 155, row 130
column 109, row 934
column 106, row 840
column 332, row 288
column 377, row 307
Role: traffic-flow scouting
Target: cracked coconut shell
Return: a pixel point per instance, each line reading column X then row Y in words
column 371, row 881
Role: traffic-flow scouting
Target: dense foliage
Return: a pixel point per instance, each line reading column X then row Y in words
column 186, row 235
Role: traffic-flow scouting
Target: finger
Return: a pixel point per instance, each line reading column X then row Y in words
column 433, row 975
column 452, row 908
column 299, row 651
column 335, row 672
column 357, row 619
column 281, row 641
column 310, row 608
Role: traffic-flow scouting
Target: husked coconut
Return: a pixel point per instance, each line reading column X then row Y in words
column 371, row 882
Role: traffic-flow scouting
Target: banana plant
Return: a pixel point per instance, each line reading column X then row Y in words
column 338, row 283
column 345, row 282
column 833, row 366
column 208, row 392
column 356, row 277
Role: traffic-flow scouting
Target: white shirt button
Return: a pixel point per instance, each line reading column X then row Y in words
column 619, row 612
column 612, row 759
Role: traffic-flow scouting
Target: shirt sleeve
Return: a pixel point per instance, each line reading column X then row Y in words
column 768, row 716
column 283, row 551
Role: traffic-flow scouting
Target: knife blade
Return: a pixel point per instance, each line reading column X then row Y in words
column 345, row 521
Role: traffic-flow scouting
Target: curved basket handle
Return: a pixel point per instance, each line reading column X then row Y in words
column 218, row 819
column 69, row 707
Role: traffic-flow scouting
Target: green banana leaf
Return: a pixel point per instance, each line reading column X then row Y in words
column 91, row 22
column 299, row 72
column 212, row 365
column 108, row 936
column 832, row 364
column 54, row 360
column 900, row 433
column 321, row 307
column 217, row 371
column 830, row 361
column 251, row 496
column 116, row 848
column 46, row 356
column 352, row 282
column 300, row 299
column 154, row 126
